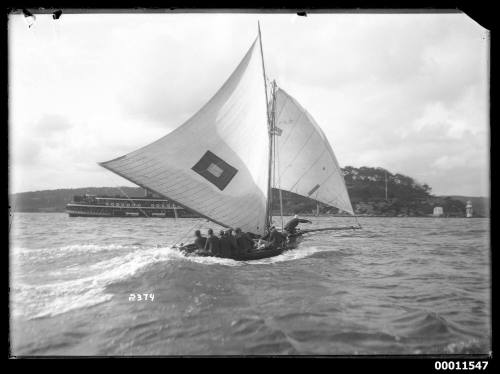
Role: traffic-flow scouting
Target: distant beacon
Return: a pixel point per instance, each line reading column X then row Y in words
column 468, row 209
column 438, row 211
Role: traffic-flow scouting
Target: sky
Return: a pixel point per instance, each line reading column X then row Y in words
column 406, row 92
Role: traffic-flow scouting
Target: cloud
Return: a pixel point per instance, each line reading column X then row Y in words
column 408, row 92
column 52, row 123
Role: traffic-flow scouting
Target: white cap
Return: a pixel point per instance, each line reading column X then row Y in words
column 296, row 216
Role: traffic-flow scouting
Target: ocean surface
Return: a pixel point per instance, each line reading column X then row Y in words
column 399, row 286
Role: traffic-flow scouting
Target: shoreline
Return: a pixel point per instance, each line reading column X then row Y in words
column 289, row 215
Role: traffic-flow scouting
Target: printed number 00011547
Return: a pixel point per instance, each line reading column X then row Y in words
column 460, row 365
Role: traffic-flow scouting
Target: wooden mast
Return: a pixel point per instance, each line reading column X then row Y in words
column 275, row 151
column 270, row 129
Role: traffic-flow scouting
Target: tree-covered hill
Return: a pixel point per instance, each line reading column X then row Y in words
column 366, row 187
column 367, row 190
column 56, row 200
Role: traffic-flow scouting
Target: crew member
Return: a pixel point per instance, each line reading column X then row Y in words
column 245, row 244
column 212, row 243
column 232, row 242
column 291, row 226
column 200, row 241
column 224, row 245
column 276, row 239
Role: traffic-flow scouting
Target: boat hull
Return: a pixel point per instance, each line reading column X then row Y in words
column 255, row 254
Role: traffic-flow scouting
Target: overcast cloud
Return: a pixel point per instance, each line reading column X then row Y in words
column 405, row 92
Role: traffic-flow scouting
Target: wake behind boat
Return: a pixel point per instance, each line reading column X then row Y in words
column 224, row 161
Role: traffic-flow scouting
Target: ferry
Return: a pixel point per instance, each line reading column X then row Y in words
column 119, row 206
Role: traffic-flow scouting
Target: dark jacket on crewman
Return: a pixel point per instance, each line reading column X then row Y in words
column 292, row 224
column 213, row 245
column 224, row 246
column 233, row 244
column 244, row 243
column 200, row 242
column 276, row 238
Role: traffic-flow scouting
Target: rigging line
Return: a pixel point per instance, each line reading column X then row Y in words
column 140, row 184
column 356, row 218
column 277, row 160
column 274, row 141
column 337, row 197
column 264, row 74
column 317, row 202
column 279, row 187
column 283, row 107
column 295, row 122
column 276, row 153
column 128, row 197
column 309, row 168
column 299, row 151
column 269, row 128
column 185, row 235
column 303, row 112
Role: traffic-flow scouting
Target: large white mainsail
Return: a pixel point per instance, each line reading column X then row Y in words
column 305, row 163
column 216, row 163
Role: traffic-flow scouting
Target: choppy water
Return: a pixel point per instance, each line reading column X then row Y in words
column 399, row 286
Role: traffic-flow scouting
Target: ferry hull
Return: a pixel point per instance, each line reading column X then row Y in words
column 118, row 215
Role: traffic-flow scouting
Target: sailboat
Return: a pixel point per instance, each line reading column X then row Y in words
column 223, row 162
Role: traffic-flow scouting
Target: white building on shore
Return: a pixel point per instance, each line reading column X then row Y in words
column 468, row 209
column 438, row 211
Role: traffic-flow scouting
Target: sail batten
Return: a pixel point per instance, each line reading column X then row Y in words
column 307, row 164
column 215, row 164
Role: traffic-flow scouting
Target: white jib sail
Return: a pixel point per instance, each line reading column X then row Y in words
column 216, row 163
column 306, row 164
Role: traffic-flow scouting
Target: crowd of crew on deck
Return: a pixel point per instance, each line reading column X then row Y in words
column 231, row 243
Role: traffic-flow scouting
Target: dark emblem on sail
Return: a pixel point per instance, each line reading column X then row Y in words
column 315, row 188
column 215, row 170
